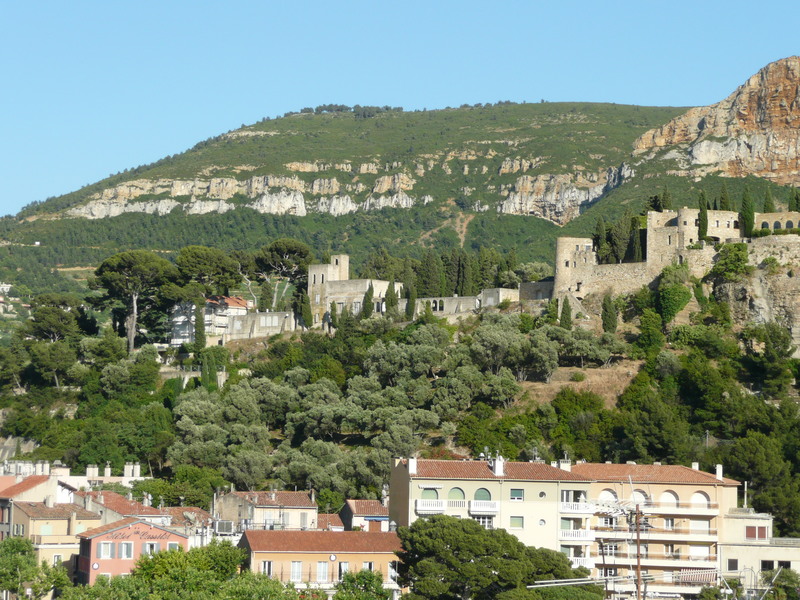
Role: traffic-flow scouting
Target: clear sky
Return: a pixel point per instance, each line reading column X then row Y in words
column 89, row 88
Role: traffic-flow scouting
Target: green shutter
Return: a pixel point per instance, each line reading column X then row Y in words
column 98, row 550
column 113, row 545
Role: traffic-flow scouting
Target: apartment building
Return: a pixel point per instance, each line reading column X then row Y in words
column 541, row 504
column 267, row 510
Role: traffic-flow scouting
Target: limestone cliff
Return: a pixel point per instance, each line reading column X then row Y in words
column 755, row 130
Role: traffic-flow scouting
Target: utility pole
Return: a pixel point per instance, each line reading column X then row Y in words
column 638, row 516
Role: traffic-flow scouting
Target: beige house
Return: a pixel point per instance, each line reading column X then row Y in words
column 540, row 504
column 267, row 510
column 53, row 529
column 319, row 559
column 365, row 515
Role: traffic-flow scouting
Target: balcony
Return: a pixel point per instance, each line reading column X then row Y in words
column 679, row 508
column 576, row 534
column 653, row 559
column 582, row 561
column 67, row 540
column 429, row 507
column 583, row 508
column 484, row 507
column 456, row 504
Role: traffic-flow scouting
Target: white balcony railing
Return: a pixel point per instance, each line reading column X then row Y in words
column 582, row 561
column 576, row 534
column 429, row 507
column 577, row 507
column 456, row 504
column 484, row 507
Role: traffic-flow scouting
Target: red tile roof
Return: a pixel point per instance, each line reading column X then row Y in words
column 649, row 474
column 232, row 301
column 321, row 541
column 367, row 508
column 26, row 484
column 119, row 503
column 180, row 516
column 130, row 521
column 39, row 510
column 328, row 521
column 480, row 469
column 285, row 499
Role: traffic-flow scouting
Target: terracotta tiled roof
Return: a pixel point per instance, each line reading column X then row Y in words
column 26, row 484
column 367, row 508
column 328, row 521
column 39, row 510
column 91, row 533
column 232, row 301
column 321, row 541
column 285, row 499
column 480, row 469
column 178, row 514
column 648, row 474
column 119, row 503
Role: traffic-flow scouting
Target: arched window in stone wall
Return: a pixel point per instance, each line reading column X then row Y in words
column 776, row 225
column 789, row 225
column 765, row 225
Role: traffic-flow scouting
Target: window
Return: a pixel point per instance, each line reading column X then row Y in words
column 608, row 522
column 483, row 494
column 517, row 522
column 266, row 568
column 430, row 494
column 150, row 547
column 733, row 564
column 173, row 546
column 609, row 549
column 303, row 520
column 126, row 550
column 56, row 560
column 297, row 571
column 608, row 572
column 322, row 571
column 368, row 566
column 484, row 520
column 316, row 298
column 767, row 565
column 669, row 523
column 344, row 567
column 455, row 494
column 755, row 533
column 785, row 564
column 105, row 550
column 517, row 495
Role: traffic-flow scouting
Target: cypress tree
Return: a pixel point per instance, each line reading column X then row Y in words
column 265, row 297
column 306, row 316
column 620, row 236
column 725, row 199
column 746, row 214
column 199, row 324
column 769, row 202
column 702, row 220
column 716, row 203
column 411, row 303
column 333, row 316
column 392, row 300
column 599, row 234
column 666, row 200
column 636, row 241
column 609, row 315
column 368, row 304
column 794, row 201
column 551, row 314
column 565, row 322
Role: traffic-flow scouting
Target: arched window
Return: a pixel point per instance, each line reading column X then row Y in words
column 483, row 494
column 765, row 225
column 607, row 496
column 639, row 497
column 668, row 498
column 789, row 225
column 430, row 494
column 455, row 494
column 701, row 499
column 314, row 279
column 776, row 225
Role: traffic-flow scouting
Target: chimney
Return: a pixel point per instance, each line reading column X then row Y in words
column 49, row 501
column 412, row 466
column 565, row 464
column 719, row 472
column 137, row 469
column 554, row 464
column 107, row 470
column 696, row 466
column 498, row 468
column 127, row 470
column 72, row 527
column 313, row 495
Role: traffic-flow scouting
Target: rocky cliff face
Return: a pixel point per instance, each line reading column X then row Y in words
column 755, row 130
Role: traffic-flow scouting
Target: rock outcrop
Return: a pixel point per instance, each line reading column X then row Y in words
column 754, row 131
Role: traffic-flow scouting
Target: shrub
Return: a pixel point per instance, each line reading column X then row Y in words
column 577, row 376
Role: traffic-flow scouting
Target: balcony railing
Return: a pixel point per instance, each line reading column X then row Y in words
column 456, row 504
column 69, row 540
column 582, row 561
column 429, row 507
column 484, row 507
column 657, row 530
column 577, row 507
column 576, row 534
column 654, row 556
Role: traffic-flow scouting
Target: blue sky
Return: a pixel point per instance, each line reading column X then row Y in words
column 91, row 88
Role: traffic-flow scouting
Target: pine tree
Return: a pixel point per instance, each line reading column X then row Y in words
column 609, row 315
column 725, row 199
column 368, row 304
column 411, row 302
column 746, row 214
column 565, row 322
column 769, row 202
column 702, row 220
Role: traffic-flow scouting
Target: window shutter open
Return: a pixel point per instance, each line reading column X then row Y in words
column 98, row 550
column 112, row 544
